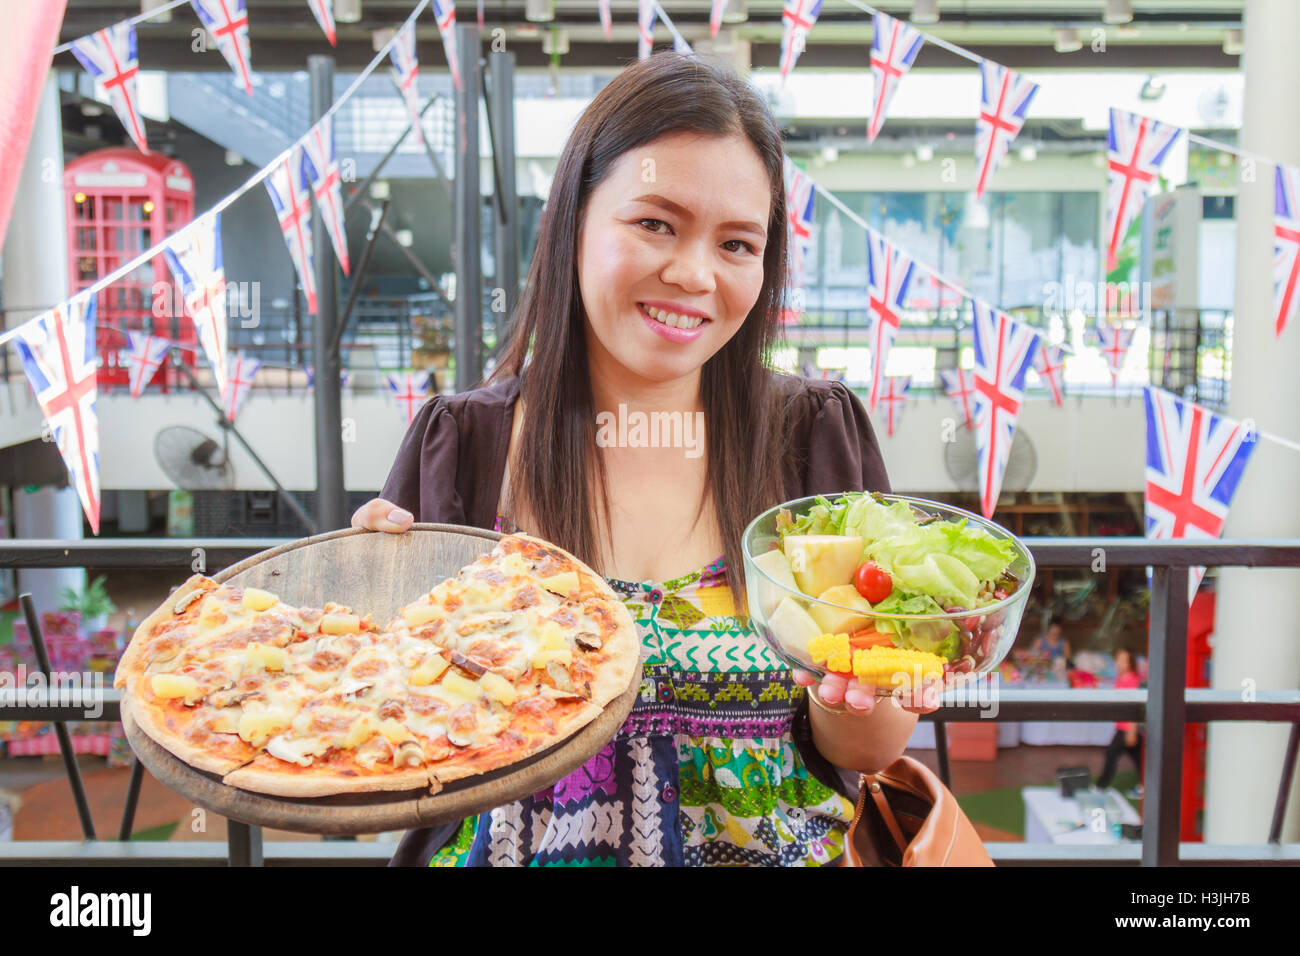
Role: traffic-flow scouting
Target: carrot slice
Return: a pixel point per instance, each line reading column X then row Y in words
column 870, row 637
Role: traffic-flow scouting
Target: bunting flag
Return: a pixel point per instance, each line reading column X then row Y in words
column 646, row 14
column 894, row 396
column 227, row 21
column 1049, row 363
column 715, row 17
column 959, row 385
column 680, row 45
column 444, row 11
column 1114, row 342
column 239, row 378
column 145, row 356
column 1194, row 462
column 1286, row 246
column 194, row 257
column 1005, row 96
column 1004, row 350
column 311, row 377
column 292, row 203
column 406, row 72
column 57, row 349
column 894, row 46
column 930, row 294
column 320, row 168
column 606, row 19
column 797, row 19
column 110, row 57
column 800, row 205
column 1135, row 148
column 822, row 374
column 480, row 14
column 324, row 11
column 889, row 273
column 408, row 390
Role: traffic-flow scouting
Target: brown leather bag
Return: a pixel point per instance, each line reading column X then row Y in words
column 907, row 817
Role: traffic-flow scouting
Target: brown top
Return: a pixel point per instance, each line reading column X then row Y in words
column 452, row 461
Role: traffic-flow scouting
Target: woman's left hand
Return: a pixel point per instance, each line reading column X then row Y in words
column 860, row 699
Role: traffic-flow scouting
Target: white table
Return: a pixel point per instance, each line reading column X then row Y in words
column 1052, row 818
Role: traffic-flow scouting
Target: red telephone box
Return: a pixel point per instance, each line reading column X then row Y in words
column 119, row 203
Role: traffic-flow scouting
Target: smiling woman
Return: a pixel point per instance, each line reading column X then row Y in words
column 652, row 300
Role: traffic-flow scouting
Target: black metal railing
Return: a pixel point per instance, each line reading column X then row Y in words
column 1166, row 707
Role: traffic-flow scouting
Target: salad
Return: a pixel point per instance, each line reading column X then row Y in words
column 861, row 556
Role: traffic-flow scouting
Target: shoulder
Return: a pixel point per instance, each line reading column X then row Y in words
column 806, row 400
column 490, row 399
column 831, row 446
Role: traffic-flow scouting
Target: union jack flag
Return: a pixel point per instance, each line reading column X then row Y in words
column 1286, row 246
column 715, row 16
column 1004, row 350
column 894, row 397
column 889, row 273
column 57, row 349
column 292, row 204
column 606, row 19
column 406, row 72
column 408, row 390
column 1049, row 363
column 929, row 292
column 239, row 375
column 324, row 11
column 145, row 357
column 800, row 205
column 1135, row 148
column 894, row 46
column 646, row 14
column 227, row 21
column 1114, row 342
column 311, row 377
column 110, row 57
column 1194, row 463
column 320, row 168
column 1005, row 96
column 797, row 19
column 444, row 11
column 822, row 374
column 194, row 256
column 959, row 385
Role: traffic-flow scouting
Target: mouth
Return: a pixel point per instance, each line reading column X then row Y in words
column 686, row 323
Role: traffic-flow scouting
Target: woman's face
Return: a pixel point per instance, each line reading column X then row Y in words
column 670, row 254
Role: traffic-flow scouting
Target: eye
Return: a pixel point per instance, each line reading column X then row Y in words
column 659, row 222
column 742, row 242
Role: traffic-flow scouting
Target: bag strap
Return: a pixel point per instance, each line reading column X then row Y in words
column 882, row 805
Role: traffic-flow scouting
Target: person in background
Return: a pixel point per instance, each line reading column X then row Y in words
column 1055, row 646
column 1127, row 740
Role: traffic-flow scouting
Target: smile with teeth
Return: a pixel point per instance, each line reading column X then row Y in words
column 672, row 318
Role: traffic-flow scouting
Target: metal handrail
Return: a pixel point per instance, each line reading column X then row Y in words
column 1165, row 707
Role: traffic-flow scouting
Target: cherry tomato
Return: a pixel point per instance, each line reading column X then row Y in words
column 873, row 583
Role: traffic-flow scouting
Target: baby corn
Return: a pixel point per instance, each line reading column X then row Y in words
column 895, row 666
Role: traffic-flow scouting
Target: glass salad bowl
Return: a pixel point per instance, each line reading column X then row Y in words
column 843, row 583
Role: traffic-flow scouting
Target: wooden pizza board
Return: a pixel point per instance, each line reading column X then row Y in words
column 374, row 573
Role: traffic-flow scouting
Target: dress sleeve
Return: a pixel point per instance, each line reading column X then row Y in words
column 423, row 477
column 842, row 451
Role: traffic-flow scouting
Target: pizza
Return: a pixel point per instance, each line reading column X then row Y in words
column 519, row 650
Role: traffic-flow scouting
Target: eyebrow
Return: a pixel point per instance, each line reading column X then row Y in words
column 656, row 200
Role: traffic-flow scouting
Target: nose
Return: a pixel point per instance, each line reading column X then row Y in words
column 690, row 267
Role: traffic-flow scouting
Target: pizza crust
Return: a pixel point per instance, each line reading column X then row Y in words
column 147, row 719
column 323, row 781
column 132, row 663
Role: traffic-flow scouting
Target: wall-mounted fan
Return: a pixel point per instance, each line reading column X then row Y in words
column 963, row 464
column 192, row 460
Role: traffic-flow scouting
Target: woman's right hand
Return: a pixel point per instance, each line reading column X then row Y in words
column 380, row 515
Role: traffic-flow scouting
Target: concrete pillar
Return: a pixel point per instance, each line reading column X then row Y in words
column 1258, row 610
column 36, row 273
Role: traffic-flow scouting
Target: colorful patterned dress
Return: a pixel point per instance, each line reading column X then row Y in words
column 704, row 772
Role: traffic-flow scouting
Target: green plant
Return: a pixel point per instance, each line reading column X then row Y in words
column 91, row 602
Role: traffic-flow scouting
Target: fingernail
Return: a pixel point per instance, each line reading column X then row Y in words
column 859, row 699
column 398, row 515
